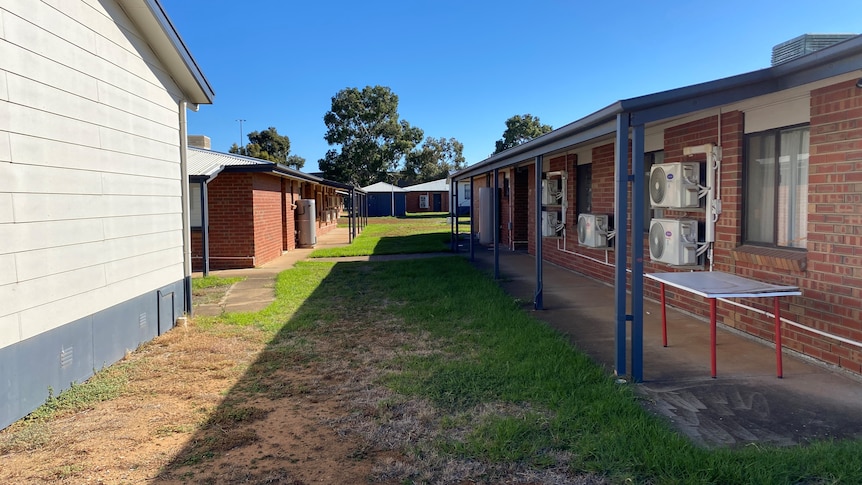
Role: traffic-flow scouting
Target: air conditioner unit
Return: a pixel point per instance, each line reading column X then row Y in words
column 552, row 191
column 593, row 230
column 551, row 225
column 673, row 241
column 674, row 185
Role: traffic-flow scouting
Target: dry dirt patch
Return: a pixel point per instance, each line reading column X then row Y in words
column 224, row 404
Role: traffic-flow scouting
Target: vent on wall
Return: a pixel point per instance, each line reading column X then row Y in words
column 804, row 44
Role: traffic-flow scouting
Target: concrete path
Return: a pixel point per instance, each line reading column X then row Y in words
column 746, row 403
column 257, row 290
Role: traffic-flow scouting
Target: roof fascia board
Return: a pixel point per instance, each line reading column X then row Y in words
column 272, row 168
column 157, row 28
column 575, row 138
column 833, row 61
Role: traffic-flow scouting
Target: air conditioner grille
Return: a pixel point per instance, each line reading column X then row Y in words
column 656, row 237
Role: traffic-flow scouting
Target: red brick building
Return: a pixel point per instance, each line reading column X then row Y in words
column 784, row 145
column 249, row 206
column 428, row 197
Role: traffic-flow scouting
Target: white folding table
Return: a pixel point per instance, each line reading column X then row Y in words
column 715, row 284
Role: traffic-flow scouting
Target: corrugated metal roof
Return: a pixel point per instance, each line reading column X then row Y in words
column 382, row 187
column 208, row 163
column 432, row 186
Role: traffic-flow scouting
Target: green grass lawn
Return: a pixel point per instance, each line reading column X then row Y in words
column 489, row 352
column 416, row 233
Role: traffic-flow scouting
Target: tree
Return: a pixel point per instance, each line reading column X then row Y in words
column 436, row 159
column 295, row 161
column 371, row 137
column 268, row 145
column 520, row 129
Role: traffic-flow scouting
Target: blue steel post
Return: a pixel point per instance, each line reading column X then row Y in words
column 637, row 252
column 496, row 223
column 538, row 300
column 453, row 210
column 350, row 224
column 205, row 228
column 472, row 221
column 621, row 179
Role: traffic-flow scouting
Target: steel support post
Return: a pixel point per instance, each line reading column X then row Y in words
column 637, row 316
column 538, row 299
column 496, row 200
column 621, row 224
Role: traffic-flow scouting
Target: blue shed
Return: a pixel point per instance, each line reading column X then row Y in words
column 386, row 200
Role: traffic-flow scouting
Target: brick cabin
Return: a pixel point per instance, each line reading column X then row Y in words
column 428, row 197
column 800, row 225
column 250, row 208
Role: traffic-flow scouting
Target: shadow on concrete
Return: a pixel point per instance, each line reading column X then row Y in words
column 745, row 404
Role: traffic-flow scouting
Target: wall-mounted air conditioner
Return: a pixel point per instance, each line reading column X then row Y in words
column 673, row 241
column 593, row 230
column 674, row 185
column 552, row 191
column 551, row 224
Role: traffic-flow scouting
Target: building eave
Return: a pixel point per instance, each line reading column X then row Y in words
column 159, row 32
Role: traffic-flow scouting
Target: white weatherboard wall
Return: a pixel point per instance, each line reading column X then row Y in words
column 90, row 191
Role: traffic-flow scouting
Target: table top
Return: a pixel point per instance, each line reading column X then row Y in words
column 716, row 284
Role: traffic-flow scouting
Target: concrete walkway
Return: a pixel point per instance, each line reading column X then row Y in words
column 746, row 403
column 257, row 290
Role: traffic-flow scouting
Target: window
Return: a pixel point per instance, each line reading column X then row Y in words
column 195, row 213
column 423, row 201
column 650, row 159
column 776, row 188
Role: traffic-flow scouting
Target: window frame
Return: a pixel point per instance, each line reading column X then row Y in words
column 746, row 180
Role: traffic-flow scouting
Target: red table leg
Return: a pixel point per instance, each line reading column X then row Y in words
column 712, row 338
column 779, row 366
column 663, row 317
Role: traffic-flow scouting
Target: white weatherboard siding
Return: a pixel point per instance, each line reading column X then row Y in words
column 90, row 205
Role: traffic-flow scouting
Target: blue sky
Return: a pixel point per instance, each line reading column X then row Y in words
column 460, row 68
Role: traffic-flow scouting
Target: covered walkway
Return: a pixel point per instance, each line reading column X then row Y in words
column 746, row 403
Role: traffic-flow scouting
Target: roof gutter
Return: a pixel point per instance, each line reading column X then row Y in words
column 598, row 124
column 151, row 19
column 273, row 168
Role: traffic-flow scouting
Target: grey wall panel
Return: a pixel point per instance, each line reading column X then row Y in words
column 55, row 360
column 121, row 328
column 72, row 352
column 10, row 397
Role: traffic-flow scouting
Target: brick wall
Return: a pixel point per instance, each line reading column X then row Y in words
column 829, row 272
column 833, row 289
column 268, row 233
column 412, row 200
column 231, row 221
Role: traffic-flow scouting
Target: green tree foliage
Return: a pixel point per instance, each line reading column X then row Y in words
column 520, row 129
column 295, row 161
column 269, row 145
column 372, row 139
column 434, row 160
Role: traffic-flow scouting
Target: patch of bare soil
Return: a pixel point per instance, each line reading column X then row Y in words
column 222, row 405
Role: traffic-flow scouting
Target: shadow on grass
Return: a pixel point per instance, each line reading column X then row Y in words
column 417, row 243
column 368, row 361
column 267, row 427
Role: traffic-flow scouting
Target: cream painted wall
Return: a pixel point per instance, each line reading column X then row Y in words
column 90, row 187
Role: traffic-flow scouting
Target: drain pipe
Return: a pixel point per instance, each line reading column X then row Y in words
column 184, row 183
